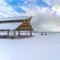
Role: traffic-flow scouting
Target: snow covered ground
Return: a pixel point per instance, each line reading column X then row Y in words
column 35, row 48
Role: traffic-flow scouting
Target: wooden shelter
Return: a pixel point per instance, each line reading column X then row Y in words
column 25, row 26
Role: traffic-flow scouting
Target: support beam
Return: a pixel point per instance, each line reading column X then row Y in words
column 14, row 33
column 18, row 32
column 30, row 32
column 8, row 32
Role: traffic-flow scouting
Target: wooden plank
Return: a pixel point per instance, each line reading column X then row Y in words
column 11, row 21
column 17, row 20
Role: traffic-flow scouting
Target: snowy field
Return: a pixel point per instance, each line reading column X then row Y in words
column 35, row 48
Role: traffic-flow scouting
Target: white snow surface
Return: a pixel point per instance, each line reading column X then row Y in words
column 35, row 48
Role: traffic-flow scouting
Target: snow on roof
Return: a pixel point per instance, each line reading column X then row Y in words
column 14, row 18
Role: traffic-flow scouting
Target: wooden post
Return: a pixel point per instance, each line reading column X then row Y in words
column 14, row 33
column 8, row 32
column 18, row 32
column 30, row 32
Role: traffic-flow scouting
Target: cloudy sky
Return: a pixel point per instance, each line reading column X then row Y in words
column 46, row 13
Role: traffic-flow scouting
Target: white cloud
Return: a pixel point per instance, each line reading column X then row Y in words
column 42, row 16
column 30, row 1
column 56, row 9
column 55, row 5
column 6, row 10
column 53, row 2
column 47, row 1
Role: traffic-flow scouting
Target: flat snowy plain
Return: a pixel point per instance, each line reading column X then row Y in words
column 35, row 48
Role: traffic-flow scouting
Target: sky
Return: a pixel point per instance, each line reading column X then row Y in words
column 46, row 13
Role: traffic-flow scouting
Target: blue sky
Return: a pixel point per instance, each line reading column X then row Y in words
column 21, row 7
column 15, row 4
column 46, row 13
